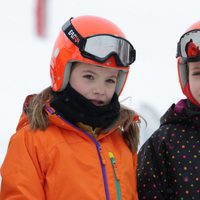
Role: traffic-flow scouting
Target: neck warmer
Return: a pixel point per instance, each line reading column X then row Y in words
column 74, row 107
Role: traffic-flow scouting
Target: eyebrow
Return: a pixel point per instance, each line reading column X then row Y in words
column 114, row 76
column 88, row 71
column 92, row 72
column 196, row 68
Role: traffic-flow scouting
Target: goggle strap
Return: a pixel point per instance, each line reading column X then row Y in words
column 178, row 50
column 195, row 59
column 72, row 34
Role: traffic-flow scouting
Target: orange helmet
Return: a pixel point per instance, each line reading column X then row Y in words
column 93, row 40
column 188, row 51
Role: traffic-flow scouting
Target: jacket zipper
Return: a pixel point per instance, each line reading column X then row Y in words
column 99, row 151
column 116, row 175
column 103, row 168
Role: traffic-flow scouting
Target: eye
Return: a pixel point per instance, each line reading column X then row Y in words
column 88, row 76
column 111, row 81
column 196, row 73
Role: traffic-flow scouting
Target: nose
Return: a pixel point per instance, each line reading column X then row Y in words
column 99, row 89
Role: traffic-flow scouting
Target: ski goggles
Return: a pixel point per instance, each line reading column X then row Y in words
column 189, row 46
column 100, row 47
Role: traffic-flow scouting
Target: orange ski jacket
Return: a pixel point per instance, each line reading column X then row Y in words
column 65, row 163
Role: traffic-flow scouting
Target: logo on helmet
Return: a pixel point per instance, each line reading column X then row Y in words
column 73, row 36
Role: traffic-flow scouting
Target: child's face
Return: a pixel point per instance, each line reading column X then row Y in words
column 94, row 83
column 194, row 79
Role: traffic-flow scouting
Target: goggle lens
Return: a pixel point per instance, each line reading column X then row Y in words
column 188, row 46
column 103, row 46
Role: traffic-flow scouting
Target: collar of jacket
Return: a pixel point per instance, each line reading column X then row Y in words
column 62, row 123
column 94, row 132
column 182, row 112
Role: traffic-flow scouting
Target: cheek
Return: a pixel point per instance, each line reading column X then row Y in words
column 80, row 88
column 77, row 85
column 110, row 92
column 195, row 87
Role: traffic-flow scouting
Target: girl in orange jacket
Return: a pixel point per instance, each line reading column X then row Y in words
column 74, row 139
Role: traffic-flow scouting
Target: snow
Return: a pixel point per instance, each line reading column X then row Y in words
column 153, row 27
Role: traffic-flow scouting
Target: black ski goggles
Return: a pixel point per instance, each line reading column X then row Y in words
column 100, row 47
column 188, row 46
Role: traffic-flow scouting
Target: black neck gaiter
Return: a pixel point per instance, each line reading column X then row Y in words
column 75, row 108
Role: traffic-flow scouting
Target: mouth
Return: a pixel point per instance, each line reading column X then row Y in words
column 97, row 102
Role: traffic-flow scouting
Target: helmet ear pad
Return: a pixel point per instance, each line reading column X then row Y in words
column 183, row 73
column 183, row 77
column 66, row 75
column 121, row 79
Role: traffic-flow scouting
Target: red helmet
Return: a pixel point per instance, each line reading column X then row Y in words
column 76, row 43
column 188, row 51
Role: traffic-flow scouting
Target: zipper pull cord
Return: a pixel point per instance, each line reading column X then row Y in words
column 116, row 176
column 113, row 161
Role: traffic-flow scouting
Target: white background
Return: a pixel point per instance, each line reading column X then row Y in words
column 153, row 27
